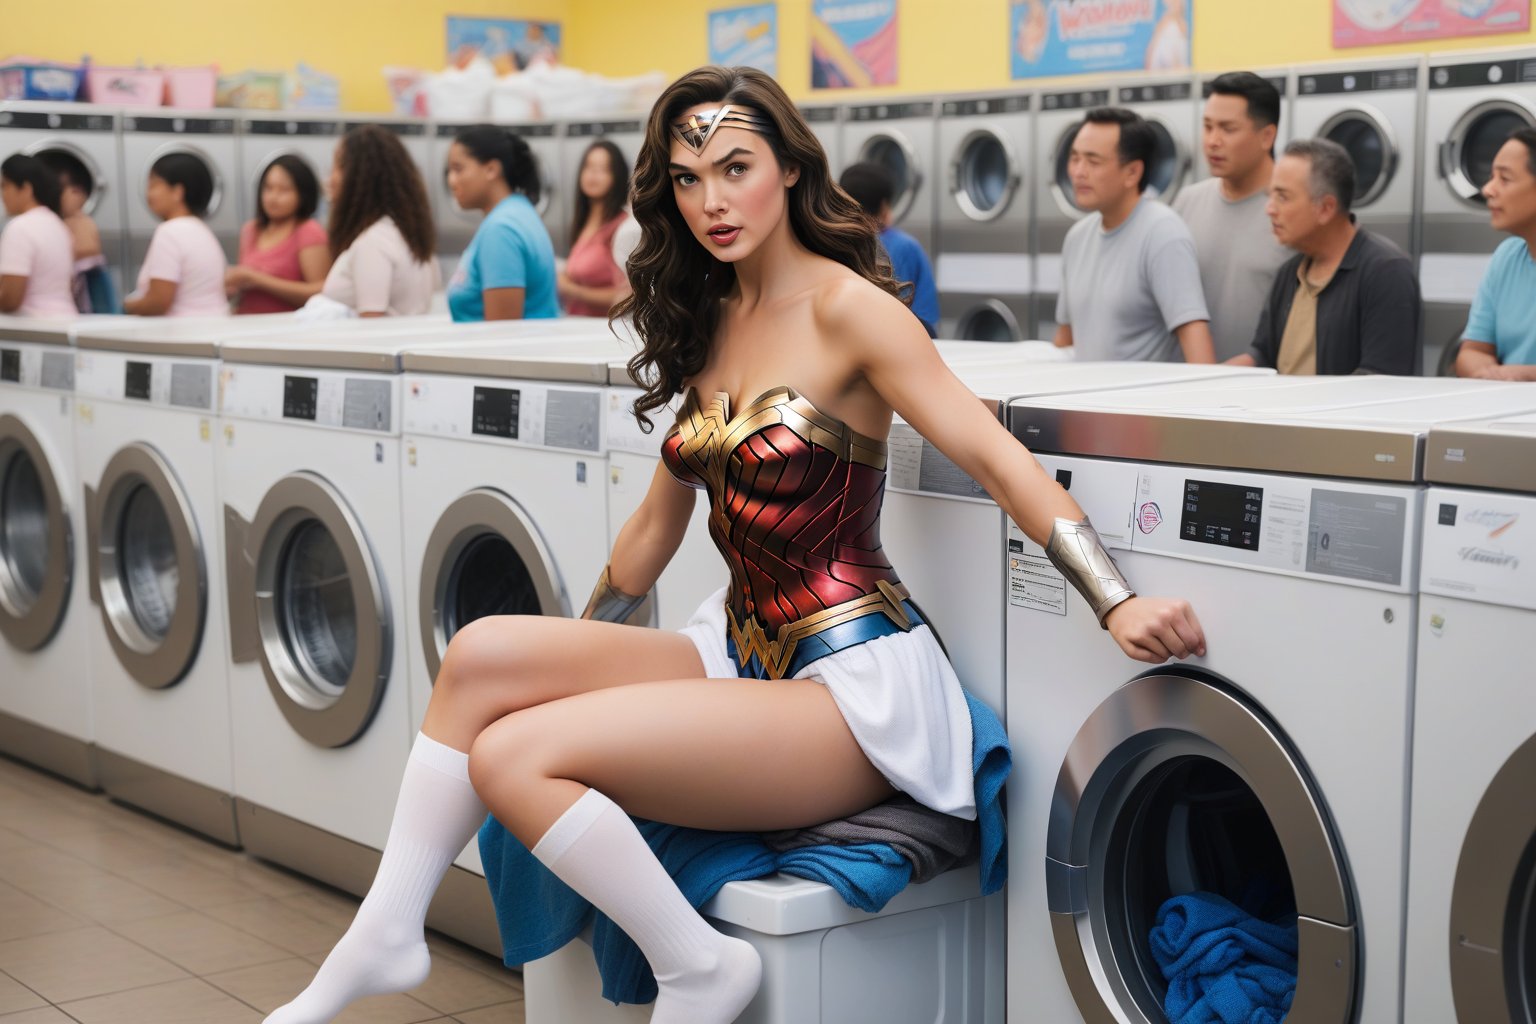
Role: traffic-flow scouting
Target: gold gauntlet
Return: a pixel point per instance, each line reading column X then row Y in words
column 610, row 604
column 1078, row 554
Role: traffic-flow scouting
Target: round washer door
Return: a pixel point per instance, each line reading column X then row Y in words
column 321, row 610
column 216, row 197
column 893, row 152
column 484, row 557
column 1492, row 940
column 1371, row 144
column 1468, row 154
column 149, row 561
column 57, row 154
column 984, row 175
column 1175, row 786
column 1170, row 163
column 36, row 545
column 988, row 320
column 1061, row 182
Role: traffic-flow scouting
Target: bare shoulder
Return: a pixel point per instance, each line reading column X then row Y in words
column 851, row 310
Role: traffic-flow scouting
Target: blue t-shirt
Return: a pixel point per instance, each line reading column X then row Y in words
column 511, row 249
column 1504, row 312
column 911, row 267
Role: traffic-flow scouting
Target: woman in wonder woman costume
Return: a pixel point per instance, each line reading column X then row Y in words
column 763, row 298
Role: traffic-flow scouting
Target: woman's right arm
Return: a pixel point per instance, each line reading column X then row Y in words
column 314, row 264
column 650, row 537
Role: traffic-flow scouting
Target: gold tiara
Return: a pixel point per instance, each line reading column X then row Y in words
column 696, row 130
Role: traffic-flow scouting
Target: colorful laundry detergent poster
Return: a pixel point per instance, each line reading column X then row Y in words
column 1371, row 22
column 853, row 43
column 509, row 44
column 1074, row 37
column 746, row 36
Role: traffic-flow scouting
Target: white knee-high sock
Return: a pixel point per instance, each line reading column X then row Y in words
column 704, row 977
column 385, row 949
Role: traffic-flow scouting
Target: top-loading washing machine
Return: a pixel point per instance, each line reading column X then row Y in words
column 984, row 268
column 826, row 123
column 1470, row 893
column 266, row 135
column 87, row 136
column 899, row 135
column 1266, row 780
column 1283, row 81
column 1371, row 108
column 626, row 133
column 456, row 226
column 1057, row 118
column 1472, row 103
column 45, row 696
column 148, row 135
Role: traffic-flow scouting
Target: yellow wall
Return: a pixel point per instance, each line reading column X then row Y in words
column 945, row 44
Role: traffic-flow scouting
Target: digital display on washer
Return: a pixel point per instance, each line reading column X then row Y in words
column 301, row 397
column 495, row 412
column 10, row 364
column 1227, row 515
column 136, row 380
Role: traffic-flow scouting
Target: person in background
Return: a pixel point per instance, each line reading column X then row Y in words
column 94, row 289
column 1130, row 283
column 284, row 254
column 183, row 271
column 507, row 271
column 592, row 280
column 1227, row 213
column 873, row 188
column 1500, row 340
column 36, row 251
column 381, row 229
column 1348, row 302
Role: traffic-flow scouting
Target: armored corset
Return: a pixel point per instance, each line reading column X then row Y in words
column 795, row 509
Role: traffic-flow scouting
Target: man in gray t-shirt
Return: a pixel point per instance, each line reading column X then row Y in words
column 1130, row 287
column 1226, row 213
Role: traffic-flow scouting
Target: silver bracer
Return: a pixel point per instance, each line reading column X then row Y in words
column 1078, row 554
column 610, row 604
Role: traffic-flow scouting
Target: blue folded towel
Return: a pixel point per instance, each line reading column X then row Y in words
column 537, row 913
column 1222, row 965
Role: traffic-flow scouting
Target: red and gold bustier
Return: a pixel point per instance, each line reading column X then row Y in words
column 795, row 509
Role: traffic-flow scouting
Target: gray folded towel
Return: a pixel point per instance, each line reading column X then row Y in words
column 932, row 842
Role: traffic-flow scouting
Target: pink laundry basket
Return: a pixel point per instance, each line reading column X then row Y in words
column 131, row 87
column 191, row 88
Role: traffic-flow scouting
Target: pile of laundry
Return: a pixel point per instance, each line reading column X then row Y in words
column 1222, row 964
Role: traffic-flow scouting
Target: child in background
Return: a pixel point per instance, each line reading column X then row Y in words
column 183, row 272
column 93, row 287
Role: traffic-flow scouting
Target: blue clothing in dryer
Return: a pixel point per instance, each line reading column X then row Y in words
column 909, row 264
column 1222, row 964
column 511, row 249
column 537, row 913
column 1504, row 312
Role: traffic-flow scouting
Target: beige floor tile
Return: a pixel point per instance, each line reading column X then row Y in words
column 15, row 996
column 193, row 885
column 81, row 964
column 72, row 884
column 200, row 944
column 505, row 1013
column 280, row 925
column 178, row 1002
column 23, row 915
column 323, row 905
column 41, row 1015
column 452, row 987
column 271, row 985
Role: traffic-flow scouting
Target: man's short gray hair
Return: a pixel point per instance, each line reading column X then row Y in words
column 1333, row 172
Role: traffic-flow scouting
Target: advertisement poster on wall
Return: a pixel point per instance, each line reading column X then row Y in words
column 509, row 44
column 745, row 35
column 1370, row 22
column 853, row 43
column 1073, row 37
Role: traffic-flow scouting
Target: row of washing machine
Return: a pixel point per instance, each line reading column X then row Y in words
column 281, row 530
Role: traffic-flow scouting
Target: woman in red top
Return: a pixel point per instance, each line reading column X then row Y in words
column 592, row 281
column 284, row 255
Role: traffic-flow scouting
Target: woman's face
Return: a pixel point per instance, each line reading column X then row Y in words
column 162, row 198
column 470, row 180
column 15, row 197
column 279, row 194
column 596, row 174
column 733, row 195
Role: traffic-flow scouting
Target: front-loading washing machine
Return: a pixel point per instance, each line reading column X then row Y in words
column 1472, row 103
column 266, row 135
column 86, row 136
column 1164, row 103
column 1470, row 863
column 1269, row 773
column 626, row 133
column 984, row 268
column 45, row 696
column 209, row 138
column 826, row 123
column 899, row 135
column 1059, row 114
column 1283, row 81
column 456, row 226
column 1371, row 108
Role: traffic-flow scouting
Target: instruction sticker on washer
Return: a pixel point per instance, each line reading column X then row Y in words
column 1033, row 581
column 904, row 461
column 1357, row 536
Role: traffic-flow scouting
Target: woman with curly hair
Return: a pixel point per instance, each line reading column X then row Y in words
column 807, row 690
column 381, row 228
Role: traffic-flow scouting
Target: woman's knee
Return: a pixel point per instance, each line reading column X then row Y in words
column 507, row 750
column 485, row 650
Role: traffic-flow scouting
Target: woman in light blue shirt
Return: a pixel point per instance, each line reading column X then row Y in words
column 508, row 270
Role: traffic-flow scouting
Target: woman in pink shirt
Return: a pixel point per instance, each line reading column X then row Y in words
column 284, row 253
column 183, row 271
column 37, row 253
column 592, row 280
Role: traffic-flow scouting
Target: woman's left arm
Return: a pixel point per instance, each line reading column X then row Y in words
column 900, row 362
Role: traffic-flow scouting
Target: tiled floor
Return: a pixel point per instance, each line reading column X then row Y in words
column 110, row 917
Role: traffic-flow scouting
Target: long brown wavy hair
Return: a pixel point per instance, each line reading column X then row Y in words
column 677, row 284
column 379, row 179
